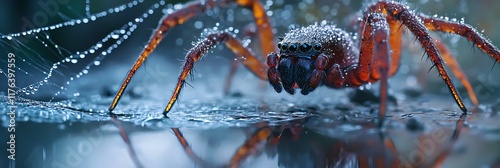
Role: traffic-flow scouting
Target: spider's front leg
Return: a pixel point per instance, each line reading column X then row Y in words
column 195, row 53
column 373, row 58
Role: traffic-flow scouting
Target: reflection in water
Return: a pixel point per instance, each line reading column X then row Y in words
column 125, row 138
column 301, row 144
column 321, row 139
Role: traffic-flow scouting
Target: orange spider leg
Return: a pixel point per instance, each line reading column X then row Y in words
column 457, row 71
column 249, row 31
column 250, row 146
column 375, row 37
column 412, row 21
column 248, row 59
column 230, row 76
column 381, row 60
column 264, row 28
column 463, row 30
column 395, row 41
column 472, row 35
column 361, row 73
column 189, row 11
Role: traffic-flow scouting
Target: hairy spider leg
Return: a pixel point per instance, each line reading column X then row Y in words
column 189, row 11
column 401, row 13
column 195, row 53
column 249, row 31
column 187, row 148
column 464, row 30
column 395, row 40
column 457, row 70
column 373, row 58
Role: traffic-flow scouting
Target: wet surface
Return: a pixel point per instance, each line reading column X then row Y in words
column 286, row 133
column 255, row 127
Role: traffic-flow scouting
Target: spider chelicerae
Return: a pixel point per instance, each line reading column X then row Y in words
column 322, row 54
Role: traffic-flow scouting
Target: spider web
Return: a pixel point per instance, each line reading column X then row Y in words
column 35, row 72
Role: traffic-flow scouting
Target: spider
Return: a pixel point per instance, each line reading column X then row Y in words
column 322, row 54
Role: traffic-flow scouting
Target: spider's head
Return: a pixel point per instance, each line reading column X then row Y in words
column 299, row 55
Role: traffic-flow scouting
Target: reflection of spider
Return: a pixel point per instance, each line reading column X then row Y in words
column 323, row 54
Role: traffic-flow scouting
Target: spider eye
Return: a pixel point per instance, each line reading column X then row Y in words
column 279, row 45
column 284, row 46
column 293, row 47
column 305, row 47
column 317, row 47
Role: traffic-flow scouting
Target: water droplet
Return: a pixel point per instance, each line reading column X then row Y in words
column 115, row 36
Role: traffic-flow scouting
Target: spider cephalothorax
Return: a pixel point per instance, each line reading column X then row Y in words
column 311, row 56
column 323, row 54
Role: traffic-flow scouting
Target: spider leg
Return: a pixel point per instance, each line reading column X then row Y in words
column 249, row 32
column 395, row 41
column 230, row 76
column 374, row 42
column 457, row 71
column 186, row 13
column 464, row 30
column 381, row 65
column 401, row 13
column 195, row 53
